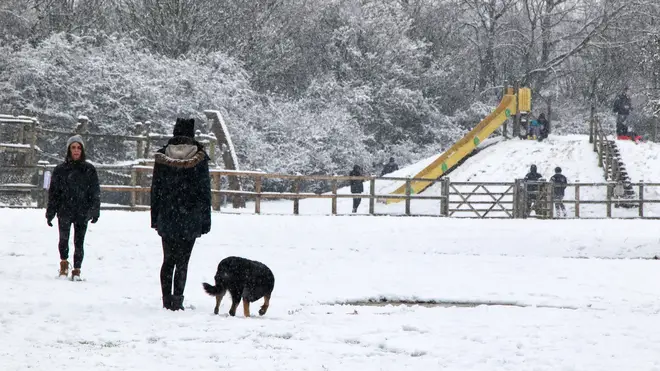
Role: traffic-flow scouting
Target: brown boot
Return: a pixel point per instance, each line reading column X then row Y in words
column 75, row 274
column 64, row 268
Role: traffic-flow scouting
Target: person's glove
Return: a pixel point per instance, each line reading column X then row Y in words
column 95, row 219
column 49, row 222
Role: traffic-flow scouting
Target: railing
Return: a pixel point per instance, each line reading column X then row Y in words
column 445, row 198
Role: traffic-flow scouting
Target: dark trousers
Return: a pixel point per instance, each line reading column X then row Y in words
column 559, row 205
column 356, row 203
column 176, row 255
column 79, row 229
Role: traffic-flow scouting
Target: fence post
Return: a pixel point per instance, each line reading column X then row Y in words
column 296, row 201
column 215, row 186
column 40, row 193
column 641, row 198
column 372, row 194
column 147, row 140
column 213, row 142
column 516, row 195
column 133, row 185
column 257, row 197
column 577, row 199
column 33, row 142
column 334, row 196
column 408, row 191
column 550, row 190
column 609, row 199
column 444, row 210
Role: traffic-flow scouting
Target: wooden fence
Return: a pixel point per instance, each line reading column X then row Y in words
column 447, row 198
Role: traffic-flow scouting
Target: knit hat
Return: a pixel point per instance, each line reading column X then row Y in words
column 185, row 128
column 75, row 139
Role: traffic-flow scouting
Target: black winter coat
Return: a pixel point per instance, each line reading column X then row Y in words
column 357, row 186
column 74, row 193
column 533, row 177
column 390, row 167
column 559, row 184
column 622, row 105
column 181, row 190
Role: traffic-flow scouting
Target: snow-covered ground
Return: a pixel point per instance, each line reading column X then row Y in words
column 573, row 296
column 504, row 161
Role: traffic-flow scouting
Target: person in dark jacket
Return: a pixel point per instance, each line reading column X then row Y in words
column 532, row 189
column 180, row 206
column 545, row 126
column 559, row 182
column 356, row 186
column 390, row 167
column 622, row 107
column 74, row 196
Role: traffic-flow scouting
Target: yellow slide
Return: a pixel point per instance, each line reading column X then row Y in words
column 463, row 147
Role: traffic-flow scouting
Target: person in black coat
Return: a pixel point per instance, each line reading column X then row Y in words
column 622, row 107
column 356, row 186
column 390, row 167
column 180, row 206
column 532, row 189
column 74, row 196
column 559, row 182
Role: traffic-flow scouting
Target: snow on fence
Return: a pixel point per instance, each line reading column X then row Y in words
column 444, row 199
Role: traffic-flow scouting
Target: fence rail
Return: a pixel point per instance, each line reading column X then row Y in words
column 450, row 199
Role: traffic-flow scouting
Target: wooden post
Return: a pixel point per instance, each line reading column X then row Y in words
column 550, row 191
column 33, row 143
column 408, row 191
column 334, row 197
column 577, row 199
column 215, row 186
column 641, row 198
column 654, row 122
column 609, row 199
column 147, row 140
column 21, row 134
column 506, row 123
column 516, row 196
column 133, row 184
column 445, row 193
column 606, row 163
column 213, row 142
column 372, row 193
column 516, row 120
column 257, row 197
column 296, row 201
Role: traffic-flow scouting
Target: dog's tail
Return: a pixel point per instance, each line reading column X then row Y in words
column 211, row 290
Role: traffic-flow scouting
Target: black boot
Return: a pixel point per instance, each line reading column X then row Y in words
column 167, row 302
column 177, row 302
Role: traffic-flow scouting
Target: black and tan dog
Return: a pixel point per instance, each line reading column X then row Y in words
column 244, row 279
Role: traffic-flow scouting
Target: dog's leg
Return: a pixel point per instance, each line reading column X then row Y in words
column 235, row 299
column 264, row 307
column 218, row 299
column 246, row 307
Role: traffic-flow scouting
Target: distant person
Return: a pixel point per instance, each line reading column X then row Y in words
column 74, row 195
column 559, row 185
column 532, row 189
column 545, row 126
column 357, row 186
column 534, row 130
column 180, row 206
column 623, row 107
column 390, row 167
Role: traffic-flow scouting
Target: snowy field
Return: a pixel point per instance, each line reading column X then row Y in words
column 506, row 161
column 573, row 295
